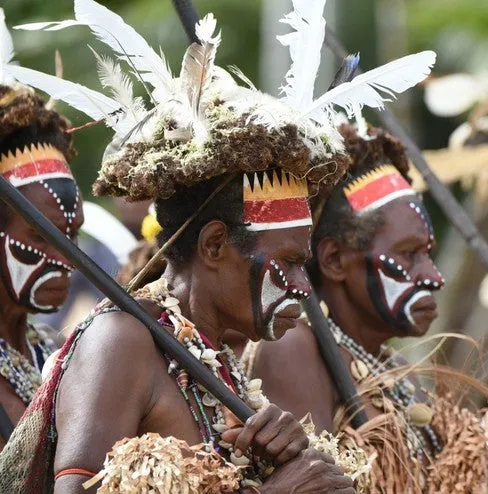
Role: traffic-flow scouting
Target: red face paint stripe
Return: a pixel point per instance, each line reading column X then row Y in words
column 378, row 190
column 41, row 168
column 276, row 210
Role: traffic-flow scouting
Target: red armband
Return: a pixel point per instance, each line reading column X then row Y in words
column 74, row 471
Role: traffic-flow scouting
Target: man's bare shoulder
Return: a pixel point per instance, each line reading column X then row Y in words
column 119, row 331
column 299, row 340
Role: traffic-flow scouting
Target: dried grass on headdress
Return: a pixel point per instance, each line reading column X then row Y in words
column 151, row 463
column 21, row 107
column 151, row 170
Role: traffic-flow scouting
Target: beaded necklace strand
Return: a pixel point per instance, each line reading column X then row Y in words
column 23, row 376
column 402, row 393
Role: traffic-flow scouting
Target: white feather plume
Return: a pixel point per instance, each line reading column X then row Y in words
column 196, row 75
column 305, row 45
column 94, row 104
column 124, row 40
column 376, row 86
column 6, row 48
column 112, row 77
column 111, row 29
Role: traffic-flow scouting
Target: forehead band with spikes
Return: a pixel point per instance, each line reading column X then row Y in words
column 34, row 163
column 275, row 200
column 376, row 188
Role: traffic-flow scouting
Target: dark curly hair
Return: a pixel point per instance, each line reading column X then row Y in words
column 25, row 120
column 338, row 220
column 226, row 206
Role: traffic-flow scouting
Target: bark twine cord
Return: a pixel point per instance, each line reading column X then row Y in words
column 442, row 195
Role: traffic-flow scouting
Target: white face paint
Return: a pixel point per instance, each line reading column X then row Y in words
column 24, row 279
column 18, row 272
column 38, row 283
column 275, row 297
column 270, row 334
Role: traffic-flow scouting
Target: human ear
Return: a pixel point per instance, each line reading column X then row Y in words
column 212, row 243
column 329, row 258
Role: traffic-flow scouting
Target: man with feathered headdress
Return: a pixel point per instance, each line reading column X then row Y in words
column 235, row 167
column 34, row 278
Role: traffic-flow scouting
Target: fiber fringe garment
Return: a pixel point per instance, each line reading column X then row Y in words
column 461, row 467
column 26, row 462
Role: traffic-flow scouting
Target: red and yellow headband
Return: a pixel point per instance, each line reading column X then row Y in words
column 275, row 200
column 376, row 188
column 35, row 163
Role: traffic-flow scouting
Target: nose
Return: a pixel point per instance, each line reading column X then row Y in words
column 299, row 286
column 428, row 276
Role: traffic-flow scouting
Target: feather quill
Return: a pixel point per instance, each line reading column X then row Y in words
column 197, row 70
column 94, row 104
column 6, row 47
column 305, row 43
column 366, row 89
column 198, row 62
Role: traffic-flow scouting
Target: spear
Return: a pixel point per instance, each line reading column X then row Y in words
column 328, row 347
column 6, row 425
column 165, row 342
column 454, row 212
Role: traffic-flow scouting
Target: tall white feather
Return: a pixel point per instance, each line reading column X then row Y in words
column 124, row 40
column 305, row 45
column 375, row 87
column 94, row 104
column 129, row 45
column 6, row 48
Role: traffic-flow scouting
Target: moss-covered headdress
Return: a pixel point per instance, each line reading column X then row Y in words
column 203, row 124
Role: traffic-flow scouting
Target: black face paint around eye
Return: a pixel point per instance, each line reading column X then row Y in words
column 393, row 292
column 24, row 270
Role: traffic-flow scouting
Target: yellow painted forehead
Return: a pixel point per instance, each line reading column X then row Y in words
column 281, row 186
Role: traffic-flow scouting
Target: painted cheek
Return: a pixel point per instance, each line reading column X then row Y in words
column 299, row 284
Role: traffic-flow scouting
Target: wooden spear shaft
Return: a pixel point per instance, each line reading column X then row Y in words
column 112, row 290
column 6, row 425
column 327, row 346
column 454, row 212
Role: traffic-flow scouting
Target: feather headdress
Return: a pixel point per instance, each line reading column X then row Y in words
column 203, row 123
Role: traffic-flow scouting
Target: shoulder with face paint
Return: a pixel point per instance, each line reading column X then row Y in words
column 295, row 377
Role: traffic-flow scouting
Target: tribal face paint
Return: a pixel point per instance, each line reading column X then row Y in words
column 393, row 291
column 34, row 275
column 399, row 291
column 24, row 269
column 274, row 296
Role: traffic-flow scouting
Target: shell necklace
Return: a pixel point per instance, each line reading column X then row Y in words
column 23, row 376
column 399, row 393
